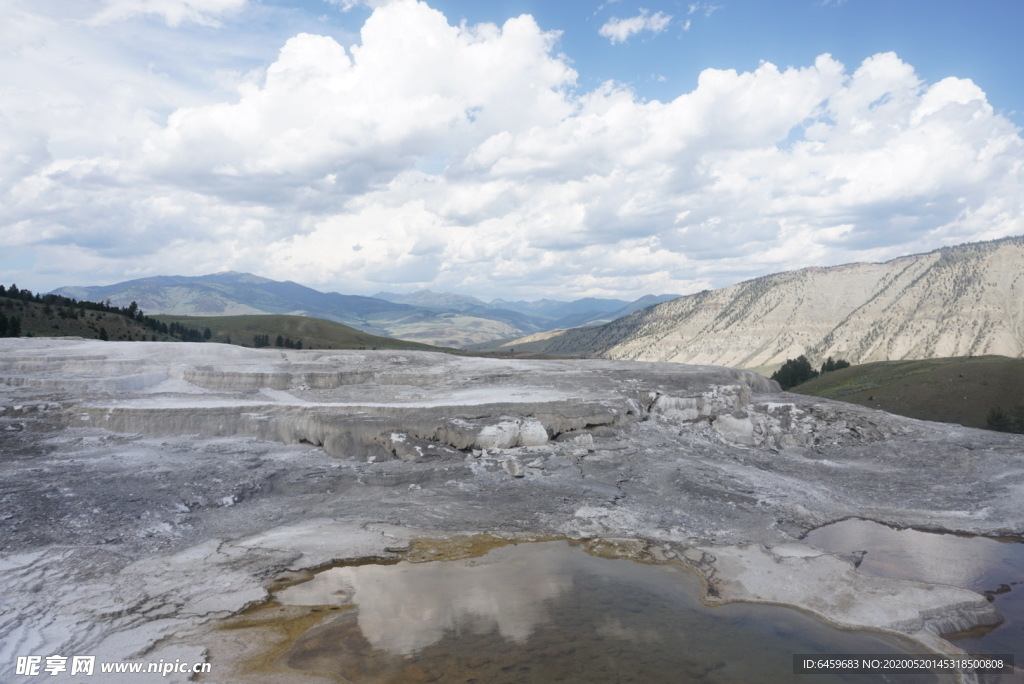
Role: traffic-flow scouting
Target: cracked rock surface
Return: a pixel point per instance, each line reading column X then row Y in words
column 147, row 489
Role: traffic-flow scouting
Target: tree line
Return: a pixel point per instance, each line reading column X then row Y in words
column 263, row 340
column 799, row 370
column 10, row 327
column 68, row 307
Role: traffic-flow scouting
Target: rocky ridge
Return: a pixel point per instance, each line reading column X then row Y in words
column 956, row 301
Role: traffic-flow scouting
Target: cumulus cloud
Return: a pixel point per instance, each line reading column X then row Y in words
column 173, row 12
column 762, row 169
column 466, row 158
column 335, row 121
column 619, row 30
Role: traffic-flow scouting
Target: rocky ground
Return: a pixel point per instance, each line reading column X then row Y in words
column 148, row 490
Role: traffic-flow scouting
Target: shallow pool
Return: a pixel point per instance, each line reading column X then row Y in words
column 988, row 566
column 551, row 612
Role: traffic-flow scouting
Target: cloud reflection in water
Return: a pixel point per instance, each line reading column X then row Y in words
column 406, row 607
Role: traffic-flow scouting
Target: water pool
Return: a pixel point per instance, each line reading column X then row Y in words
column 988, row 566
column 552, row 612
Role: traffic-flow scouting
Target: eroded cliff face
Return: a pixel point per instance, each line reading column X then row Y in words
column 958, row 301
column 159, row 485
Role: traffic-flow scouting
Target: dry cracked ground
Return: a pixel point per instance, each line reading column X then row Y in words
column 150, row 490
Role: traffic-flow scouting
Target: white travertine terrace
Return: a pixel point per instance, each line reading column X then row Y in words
column 153, row 488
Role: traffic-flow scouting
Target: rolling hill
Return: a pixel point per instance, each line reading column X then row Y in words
column 309, row 333
column 431, row 318
column 960, row 390
column 53, row 319
column 230, row 294
column 28, row 315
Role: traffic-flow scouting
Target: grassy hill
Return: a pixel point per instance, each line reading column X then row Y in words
column 57, row 316
column 41, row 319
column 950, row 390
column 313, row 333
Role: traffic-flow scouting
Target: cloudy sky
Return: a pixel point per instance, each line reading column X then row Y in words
column 517, row 149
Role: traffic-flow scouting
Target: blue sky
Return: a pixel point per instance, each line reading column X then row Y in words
column 507, row 149
column 975, row 40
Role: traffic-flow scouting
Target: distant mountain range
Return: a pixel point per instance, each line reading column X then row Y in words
column 956, row 301
column 546, row 314
column 434, row 318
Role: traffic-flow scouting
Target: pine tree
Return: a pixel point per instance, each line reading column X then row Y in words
column 834, row 365
column 998, row 419
column 794, row 372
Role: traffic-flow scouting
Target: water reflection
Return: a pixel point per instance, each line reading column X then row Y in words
column 983, row 565
column 409, row 606
column 970, row 562
column 547, row 612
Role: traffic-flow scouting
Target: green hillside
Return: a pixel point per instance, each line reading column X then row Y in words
column 25, row 314
column 311, row 333
column 960, row 390
column 59, row 317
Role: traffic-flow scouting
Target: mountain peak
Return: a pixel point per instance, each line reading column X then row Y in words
column 237, row 276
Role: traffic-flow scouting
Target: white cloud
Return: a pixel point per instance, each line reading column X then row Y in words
column 705, row 8
column 338, row 121
column 711, row 175
column 619, row 30
column 464, row 158
column 347, row 5
column 174, row 12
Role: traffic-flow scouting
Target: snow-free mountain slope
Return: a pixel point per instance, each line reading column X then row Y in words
column 443, row 318
column 956, row 301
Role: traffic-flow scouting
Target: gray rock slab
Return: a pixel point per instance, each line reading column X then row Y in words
column 150, row 489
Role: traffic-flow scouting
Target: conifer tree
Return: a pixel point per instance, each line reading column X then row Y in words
column 794, row 372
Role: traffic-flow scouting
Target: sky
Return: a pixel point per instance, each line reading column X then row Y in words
column 515, row 149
